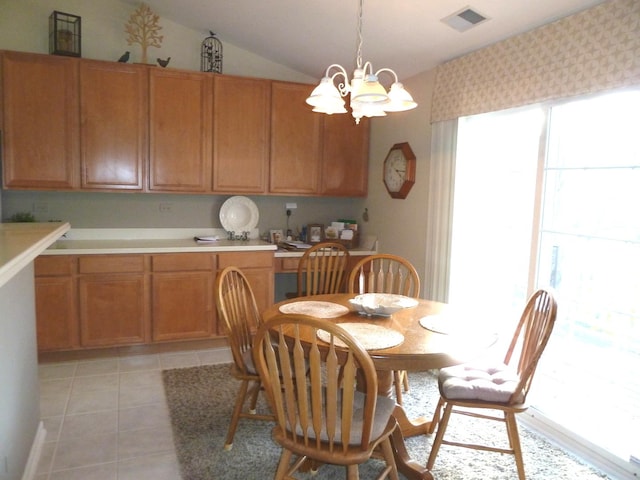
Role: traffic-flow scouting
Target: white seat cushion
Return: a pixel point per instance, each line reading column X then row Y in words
column 487, row 382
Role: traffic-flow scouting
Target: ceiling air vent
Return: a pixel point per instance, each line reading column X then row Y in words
column 464, row 19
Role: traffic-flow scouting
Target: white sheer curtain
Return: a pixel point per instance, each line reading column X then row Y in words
column 442, row 168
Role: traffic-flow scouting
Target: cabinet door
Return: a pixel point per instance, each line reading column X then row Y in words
column 56, row 319
column 182, row 305
column 182, row 296
column 113, row 309
column 40, row 121
column 113, row 106
column 240, row 134
column 345, row 159
column 180, row 131
column 295, row 141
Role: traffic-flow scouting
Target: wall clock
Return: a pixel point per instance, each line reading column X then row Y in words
column 399, row 170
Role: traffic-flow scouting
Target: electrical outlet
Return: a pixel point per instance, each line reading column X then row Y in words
column 290, row 206
column 166, row 207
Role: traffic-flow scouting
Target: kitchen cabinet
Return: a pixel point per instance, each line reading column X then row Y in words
column 180, row 118
column 241, row 109
column 113, row 300
column 70, row 124
column 182, row 303
column 40, row 119
column 113, row 125
column 56, row 316
column 296, row 134
column 106, row 300
column 345, row 156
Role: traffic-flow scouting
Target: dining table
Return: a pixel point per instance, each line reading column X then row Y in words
column 425, row 336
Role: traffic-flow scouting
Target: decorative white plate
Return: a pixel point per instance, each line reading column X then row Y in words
column 239, row 214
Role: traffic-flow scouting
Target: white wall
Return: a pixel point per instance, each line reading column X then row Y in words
column 19, row 393
column 401, row 224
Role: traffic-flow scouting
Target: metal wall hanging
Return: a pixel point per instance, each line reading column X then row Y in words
column 211, row 54
column 64, row 34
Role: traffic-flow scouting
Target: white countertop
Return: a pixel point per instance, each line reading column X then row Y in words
column 170, row 240
column 21, row 243
column 150, row 240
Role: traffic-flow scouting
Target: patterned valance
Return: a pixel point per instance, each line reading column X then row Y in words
column 594, row 50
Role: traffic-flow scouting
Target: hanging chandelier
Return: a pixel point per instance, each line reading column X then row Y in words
column 368, row 97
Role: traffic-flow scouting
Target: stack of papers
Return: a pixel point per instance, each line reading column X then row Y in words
column 294, row 244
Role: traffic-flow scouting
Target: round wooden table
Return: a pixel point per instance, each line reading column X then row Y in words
column 422, row 349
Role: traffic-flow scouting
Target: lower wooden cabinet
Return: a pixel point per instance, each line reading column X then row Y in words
column 56, row 313
column 89, row 301
column 182, row 303
column 112, row 298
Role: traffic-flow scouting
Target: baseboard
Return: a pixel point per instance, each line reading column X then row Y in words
column 608, row 463
column 31, row 468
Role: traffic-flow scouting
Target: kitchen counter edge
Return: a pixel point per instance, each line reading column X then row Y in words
column 21, row 243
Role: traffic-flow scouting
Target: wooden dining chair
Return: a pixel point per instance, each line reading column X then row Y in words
column 386, row 273
column 324, row 395
column 321, row 270
column 240, row 316
column 502, row 386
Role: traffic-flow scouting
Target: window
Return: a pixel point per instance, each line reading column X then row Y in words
column 557, row 203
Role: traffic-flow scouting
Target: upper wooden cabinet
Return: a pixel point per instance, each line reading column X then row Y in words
column 77, row 124
column 40, row 121
column 345, row 157
column 113, row 128
column 180, row 131
column 241, row 134
column 296, row 135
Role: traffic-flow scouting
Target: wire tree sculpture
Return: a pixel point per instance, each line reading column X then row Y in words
column 143, row 28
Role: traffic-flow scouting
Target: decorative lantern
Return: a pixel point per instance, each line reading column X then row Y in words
column 64, row 34
column 211, row 54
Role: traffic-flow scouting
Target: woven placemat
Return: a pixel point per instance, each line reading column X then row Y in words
column 372, row 337
column 315, row 308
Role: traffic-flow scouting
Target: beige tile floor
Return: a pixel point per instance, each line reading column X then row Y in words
column 107, row 418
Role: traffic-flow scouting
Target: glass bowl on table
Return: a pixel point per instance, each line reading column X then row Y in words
column 381, row 304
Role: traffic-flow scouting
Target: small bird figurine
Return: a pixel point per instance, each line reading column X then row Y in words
column 124, row 58
column 163, row 63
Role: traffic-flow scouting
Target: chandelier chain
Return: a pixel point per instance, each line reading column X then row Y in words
column 359, row 54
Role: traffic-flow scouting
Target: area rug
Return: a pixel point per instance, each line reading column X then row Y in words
column 201, row 399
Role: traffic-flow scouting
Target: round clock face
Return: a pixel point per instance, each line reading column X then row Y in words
column 399, row 170
column 395, row 171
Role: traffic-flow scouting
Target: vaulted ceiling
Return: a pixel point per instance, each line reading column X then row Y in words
column 408, row 36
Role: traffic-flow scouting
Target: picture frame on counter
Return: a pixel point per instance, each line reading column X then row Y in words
column 315, row 232
column 276, row 236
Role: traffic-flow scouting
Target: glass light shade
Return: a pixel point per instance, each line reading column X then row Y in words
column 400, row 99
column 368, row 110
column 331, row 109
column 370, row 92
column 325, row 94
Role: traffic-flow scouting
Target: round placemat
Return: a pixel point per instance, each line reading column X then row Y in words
column 315, row 308
column 372, row 337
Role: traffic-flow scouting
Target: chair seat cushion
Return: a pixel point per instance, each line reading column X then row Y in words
column 383, row 411
column 486, row 382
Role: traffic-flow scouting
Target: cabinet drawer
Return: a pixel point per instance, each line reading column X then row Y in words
column 54, row 265
column 288, row 264
column 176, row 262
column 246, row 260
column 111, row 264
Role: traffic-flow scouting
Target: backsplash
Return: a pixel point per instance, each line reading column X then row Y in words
column 123, row 210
